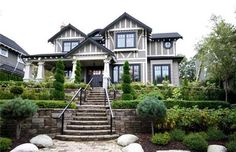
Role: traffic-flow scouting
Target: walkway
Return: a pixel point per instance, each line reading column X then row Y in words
column 83, row 146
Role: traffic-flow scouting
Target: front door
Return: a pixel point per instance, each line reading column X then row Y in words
column 96, row 74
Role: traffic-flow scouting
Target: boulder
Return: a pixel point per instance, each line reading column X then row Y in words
column 216, row 148
column 42, row 141
column 27, row 147
column 126, row 139
column 134, row 147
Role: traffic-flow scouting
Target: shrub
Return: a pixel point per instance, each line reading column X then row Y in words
column 154, row 93
column 232, row 136
column 203, row 134
column 6, row 94
column 6, row 76
column 58, row 84
column 215, row 134
column 18, row 109
column 5, row 144
column 195, row 142
column 71, row 85
column 231, row 146
column 151, row 108
column 77, row 72
column 125, row 104
column 126, row 80
column 16, row 90
column 177, row 135
column 53, row 104
column 161, row 138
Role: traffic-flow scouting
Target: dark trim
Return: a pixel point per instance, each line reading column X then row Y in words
column 66, row 41
column 153, row 72
column 175, row 58
column 125, row 33
column 126, row 15
column 166, row 36
column 94, row 33
column 69, row 26
column 89, row 40
column 46, row 55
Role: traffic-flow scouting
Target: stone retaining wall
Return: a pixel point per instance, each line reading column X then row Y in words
column 127, row 121
column 42, row 122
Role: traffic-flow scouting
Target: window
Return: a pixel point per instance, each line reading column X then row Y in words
column 69, row 45
column 125, row 40
column 3, row 52
column 134, row 72
column 160, row 73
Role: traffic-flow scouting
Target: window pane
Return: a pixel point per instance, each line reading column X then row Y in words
column 136, row 76
column 120, row 40
column 115, row 74
column 120, row 73
column 157, row 74
column 66, row 46
column 165, row 72
column 74, row 44
column 3, row 52
column 130, row 40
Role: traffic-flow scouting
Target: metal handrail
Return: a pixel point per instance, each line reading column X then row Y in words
column 110, row 109
column 84, row 90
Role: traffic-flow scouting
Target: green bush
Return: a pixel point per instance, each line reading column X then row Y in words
column 215, row 134
column 161, row 138
column 5, row 144
column 16, row 90
column 6, row 76
column 83, row 85
column 71, row 85
column 53, row 104
column 154, row 93
column 232, row 136
column 177, row 135
column 78, row 72
column 58, row 84
column 203, row 134
column 126, row 80
column 125, row 104
column 195, row 142
column 127, row 96
column 199, row 104
column 6, row 94
column 231, row 146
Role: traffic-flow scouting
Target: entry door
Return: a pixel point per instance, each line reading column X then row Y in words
column 96, row 74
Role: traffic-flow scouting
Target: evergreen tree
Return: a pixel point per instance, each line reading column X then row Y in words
column 78, row 72
column 126, row 80
column 58, row 84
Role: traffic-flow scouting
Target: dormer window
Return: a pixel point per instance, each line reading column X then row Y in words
column 69, row 45
column 125, row 40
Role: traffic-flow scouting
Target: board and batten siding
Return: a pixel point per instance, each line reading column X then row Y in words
column 155, row 48
column 11, row 60
column 67, row 36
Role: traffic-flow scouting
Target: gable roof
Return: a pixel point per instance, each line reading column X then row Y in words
column 94, row 33
column 86, row 41
column 11, row 44
column 173, row 35
column 69, row 26
column 126, row 15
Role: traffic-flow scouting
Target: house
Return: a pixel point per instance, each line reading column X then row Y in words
column 102, row 52
column 11, row 57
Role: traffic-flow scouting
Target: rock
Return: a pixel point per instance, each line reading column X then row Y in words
column 216, row 148
column 134, row 147
column 27, row 147
column 126, row 139
column 42, row 141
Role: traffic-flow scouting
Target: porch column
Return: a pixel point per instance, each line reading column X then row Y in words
column 72, row 78
column 40, row 73
column 106, row 73
column 28, row 72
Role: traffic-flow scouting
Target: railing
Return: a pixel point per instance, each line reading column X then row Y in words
column 61, row 116
column 80, row 90
column 113, row 88
column 110, row 109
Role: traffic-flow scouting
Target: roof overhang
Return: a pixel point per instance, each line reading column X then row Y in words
column 175, row 58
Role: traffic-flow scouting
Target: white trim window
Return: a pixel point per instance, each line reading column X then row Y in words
column 3, row 52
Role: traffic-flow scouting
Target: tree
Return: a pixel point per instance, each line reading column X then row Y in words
column 217, row 52
column 126, row 80
column 187, row 69
column 58, row 84
column 78, row 72
column 18, row 110
column 151, row 108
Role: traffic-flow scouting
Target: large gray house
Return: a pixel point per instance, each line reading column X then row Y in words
column 11, row 56
column 152, row 56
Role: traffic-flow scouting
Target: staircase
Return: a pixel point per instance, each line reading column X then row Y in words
column 91, row 120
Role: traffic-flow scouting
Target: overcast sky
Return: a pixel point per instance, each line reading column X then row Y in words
column 31, row 23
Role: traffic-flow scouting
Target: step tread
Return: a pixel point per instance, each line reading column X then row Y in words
column 94, row 137
column 88, row 131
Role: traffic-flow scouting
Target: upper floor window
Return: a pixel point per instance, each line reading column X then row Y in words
column 125, row 40
column 160, row 73
column 3, row 52
column 69, row 45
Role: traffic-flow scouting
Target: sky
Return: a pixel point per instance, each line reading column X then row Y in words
column 31, row 23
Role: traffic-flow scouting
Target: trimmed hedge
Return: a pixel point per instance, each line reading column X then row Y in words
column 6, row 76
column 48, row 103
column 132, row 104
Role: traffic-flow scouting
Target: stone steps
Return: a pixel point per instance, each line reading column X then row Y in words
column 88, row 132
column 76, row 122
column 87, row 137
column 90, row 118
column 91, row 114
column 87, row 127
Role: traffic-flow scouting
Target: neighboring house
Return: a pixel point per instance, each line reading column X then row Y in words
column 11, row 56
column 152, row 56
